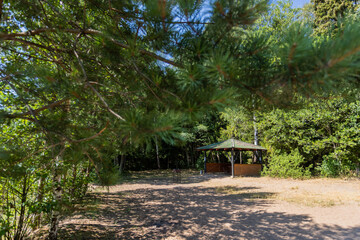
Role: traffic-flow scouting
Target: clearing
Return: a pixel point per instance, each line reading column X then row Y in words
column 214, row 206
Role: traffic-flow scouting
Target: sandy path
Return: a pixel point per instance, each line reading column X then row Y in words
column 219, row 207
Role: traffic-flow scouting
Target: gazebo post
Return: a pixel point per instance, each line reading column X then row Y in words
column 232, row 162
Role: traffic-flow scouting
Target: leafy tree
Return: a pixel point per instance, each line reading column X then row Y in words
column 307, row 12
column 328, row 12
column 238, row 124
column 323, row 132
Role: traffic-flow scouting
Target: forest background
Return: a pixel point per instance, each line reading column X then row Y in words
column 92, row 89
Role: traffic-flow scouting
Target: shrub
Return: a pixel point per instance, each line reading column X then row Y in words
column 199, row 163
column 286, row 165
column 330, row 167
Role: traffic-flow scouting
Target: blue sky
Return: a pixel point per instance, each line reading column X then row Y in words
column 300, row 3
column 296, row 3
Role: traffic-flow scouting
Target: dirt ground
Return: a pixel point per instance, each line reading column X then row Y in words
column 215, row 206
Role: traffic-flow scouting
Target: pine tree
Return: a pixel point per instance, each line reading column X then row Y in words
column 90, row 76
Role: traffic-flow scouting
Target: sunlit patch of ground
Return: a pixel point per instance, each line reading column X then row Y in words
column 296, row 196
column 216, row 206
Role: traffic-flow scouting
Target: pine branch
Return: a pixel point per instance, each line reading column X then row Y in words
column 63, row 142
column 332, row 62
column 30, row 56
column 28, row 43
column 93, row 163
column 9, row 36
column 146, row 78
column 256, row 92
column 94, row 90
column 13, row 37
column 36, row 111
column 126, row 15
column 98, row 153
column 92, row 137
column 31, row 111
column 40, row 150
column 114, row 79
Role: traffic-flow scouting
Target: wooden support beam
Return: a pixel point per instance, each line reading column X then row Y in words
column 232, row 162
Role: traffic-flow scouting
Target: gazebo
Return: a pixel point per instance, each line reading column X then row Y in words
column 235, row 145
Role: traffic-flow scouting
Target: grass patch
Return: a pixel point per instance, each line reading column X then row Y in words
column 299, row 198
column 230, row 190
column 312, row 200
column 260, row 195
column 247, row 193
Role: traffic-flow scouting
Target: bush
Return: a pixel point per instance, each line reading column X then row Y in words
column 287, row 165
column 199, row 165
column 330, row 167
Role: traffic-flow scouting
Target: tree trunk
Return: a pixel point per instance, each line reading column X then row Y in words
column 39, row 199
column 192, row 157
column 188, row 159
column 57, row 194
column 7, row 234
column 157, row 153
column 74, row 186
column 20, row 226
column 86, row 185
column 122, row 162
column 256, row 137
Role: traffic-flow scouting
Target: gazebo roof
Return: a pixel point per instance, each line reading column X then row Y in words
column 231, row 144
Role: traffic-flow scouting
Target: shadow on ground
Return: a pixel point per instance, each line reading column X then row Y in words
column 197, row 213
column 168, row 178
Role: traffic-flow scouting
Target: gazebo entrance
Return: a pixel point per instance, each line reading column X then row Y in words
column 240, row 169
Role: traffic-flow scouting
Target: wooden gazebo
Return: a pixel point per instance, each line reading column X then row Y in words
column 235, row 145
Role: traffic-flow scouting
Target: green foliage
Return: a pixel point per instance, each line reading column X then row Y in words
column 328, row 12
column 239, row 124
column 330, row 167
column 325, row 132
column 307, row 13
column 109, row 176
column 200, row 163
column 279, row 17
column 286, row 165
column 75, row 185
column 83, row 82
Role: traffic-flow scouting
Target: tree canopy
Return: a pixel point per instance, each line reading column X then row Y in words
column 327, row 13
column 86, row 83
